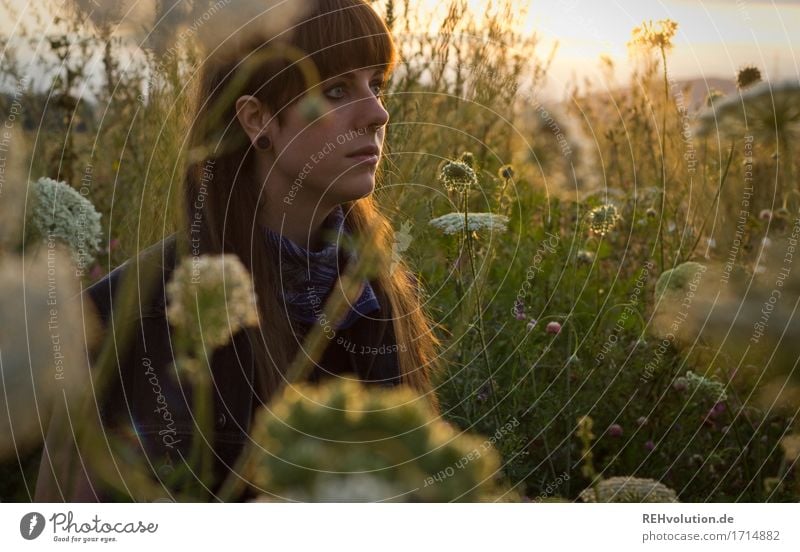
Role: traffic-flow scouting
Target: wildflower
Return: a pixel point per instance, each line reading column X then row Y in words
column 768, row 108
column 791, row 447
column 96, row 273
column 677, row 279
column 629, row 489
column 453, row 223
column 603, row 218
column 704, row 386
column 765, row 214
column 647, row 36
column 553, row 328
column 615, row 430
column 747, row 75
column 713, row 95
column 43, row 355
column 584, row 256
column 697, row 459
column 211, row 295
column 312, row 107
column 484, row 391
column 457, row 176
column 506, row 172
column 519, row 310
column 649, row 444
column 315, row 436
column 64, row 214
column 680, row 384
column 584, row 430
column 531, row 324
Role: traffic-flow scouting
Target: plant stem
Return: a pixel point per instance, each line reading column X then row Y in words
column 477, row 291
column 662, row 136
column 716, row 198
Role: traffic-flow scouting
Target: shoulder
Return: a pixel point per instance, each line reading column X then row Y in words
column 104, row 291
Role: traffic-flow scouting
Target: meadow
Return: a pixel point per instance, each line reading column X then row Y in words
column 610, row 272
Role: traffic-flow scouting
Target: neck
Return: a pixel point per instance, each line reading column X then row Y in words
column 302, row 226
column 297, row 217
column 301, row 221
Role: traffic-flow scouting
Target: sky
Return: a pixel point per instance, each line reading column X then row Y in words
column 715, row 37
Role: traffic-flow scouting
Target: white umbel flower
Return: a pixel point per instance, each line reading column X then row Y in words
column 62, row 213
column 211, row 296
column 772, row 108
column 629, row 489
column 453, row 223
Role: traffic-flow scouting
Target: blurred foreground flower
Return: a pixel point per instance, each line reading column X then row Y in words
column 60, row 212
column 756, row 322
column 42, row 343
column 680, row 305
column 629, row 489
column 679, row 279
column 453, row 223
column 211, row 298
column 343, row 441
column 165, row 26
column 766, row 108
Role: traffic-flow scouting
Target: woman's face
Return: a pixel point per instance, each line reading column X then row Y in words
column 333, row 158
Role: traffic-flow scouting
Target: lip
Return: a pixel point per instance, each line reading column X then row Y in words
column 365, row 152
column 370, row 158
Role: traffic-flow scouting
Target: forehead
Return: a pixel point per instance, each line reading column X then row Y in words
column 355, row 73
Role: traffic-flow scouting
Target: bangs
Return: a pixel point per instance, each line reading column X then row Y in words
column 346, row 36
column 337, row 36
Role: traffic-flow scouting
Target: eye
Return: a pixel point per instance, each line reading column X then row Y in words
column 379, row 88
column 335, row 92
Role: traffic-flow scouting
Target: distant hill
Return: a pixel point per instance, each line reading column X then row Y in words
column 700, row 88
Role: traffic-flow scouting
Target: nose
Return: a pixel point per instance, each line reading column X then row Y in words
column 370, row 112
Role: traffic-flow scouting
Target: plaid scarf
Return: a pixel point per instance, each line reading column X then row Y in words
column 309, row 276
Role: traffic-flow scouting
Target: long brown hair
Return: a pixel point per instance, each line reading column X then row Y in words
column 337, row 36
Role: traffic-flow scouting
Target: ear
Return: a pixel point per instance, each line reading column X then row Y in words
column 253, row 116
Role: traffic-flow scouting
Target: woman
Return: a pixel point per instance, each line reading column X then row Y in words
column 278, row 176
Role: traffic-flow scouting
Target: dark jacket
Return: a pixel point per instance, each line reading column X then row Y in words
column 146, row 395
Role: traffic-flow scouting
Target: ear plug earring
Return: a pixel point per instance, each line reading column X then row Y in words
column 263, row 143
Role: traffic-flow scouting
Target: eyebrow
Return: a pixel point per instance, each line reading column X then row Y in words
column 351, row 74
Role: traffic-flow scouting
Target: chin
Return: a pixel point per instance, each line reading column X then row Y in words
column 358, row 189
